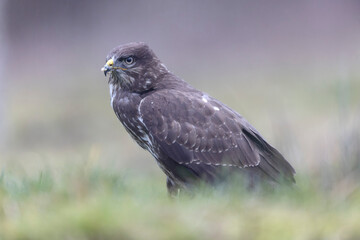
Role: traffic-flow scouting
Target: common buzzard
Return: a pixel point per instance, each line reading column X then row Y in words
column 193, row 137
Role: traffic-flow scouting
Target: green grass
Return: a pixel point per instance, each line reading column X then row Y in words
column 72, row 172
column 98, row 203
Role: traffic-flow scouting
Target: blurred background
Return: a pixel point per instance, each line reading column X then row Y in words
column 290, row 67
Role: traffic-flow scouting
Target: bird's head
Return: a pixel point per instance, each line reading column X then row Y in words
column 133, row 66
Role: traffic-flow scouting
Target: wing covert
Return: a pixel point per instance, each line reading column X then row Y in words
column 193, row 128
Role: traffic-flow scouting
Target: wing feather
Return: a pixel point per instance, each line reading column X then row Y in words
column 195, row 129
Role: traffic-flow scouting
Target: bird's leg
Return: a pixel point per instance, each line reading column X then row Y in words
column 173, row 188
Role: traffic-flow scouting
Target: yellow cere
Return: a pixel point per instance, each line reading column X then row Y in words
column 110, row 62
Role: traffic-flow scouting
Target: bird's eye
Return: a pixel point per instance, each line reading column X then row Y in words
column 129, row 60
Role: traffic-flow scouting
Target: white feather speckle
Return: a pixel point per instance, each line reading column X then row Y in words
column 112, row 94
column 163, row 65
column 139, row 112
column 216, row 108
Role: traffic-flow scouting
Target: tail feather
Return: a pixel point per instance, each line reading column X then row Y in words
column 277, row 168
column 272, row 163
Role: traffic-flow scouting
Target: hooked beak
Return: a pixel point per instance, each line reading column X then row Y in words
column 108, row 66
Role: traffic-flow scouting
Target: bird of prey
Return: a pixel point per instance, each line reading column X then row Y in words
column 193, row 137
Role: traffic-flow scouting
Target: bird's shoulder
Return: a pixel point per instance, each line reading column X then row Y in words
column 192, row 106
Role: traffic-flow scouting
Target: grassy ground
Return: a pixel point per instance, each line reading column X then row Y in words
column 89, row 203
column 70, row 171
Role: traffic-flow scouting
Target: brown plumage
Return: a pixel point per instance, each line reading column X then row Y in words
column 194, row 137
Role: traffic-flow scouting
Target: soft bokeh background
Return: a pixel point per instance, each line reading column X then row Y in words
column 290, row 67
